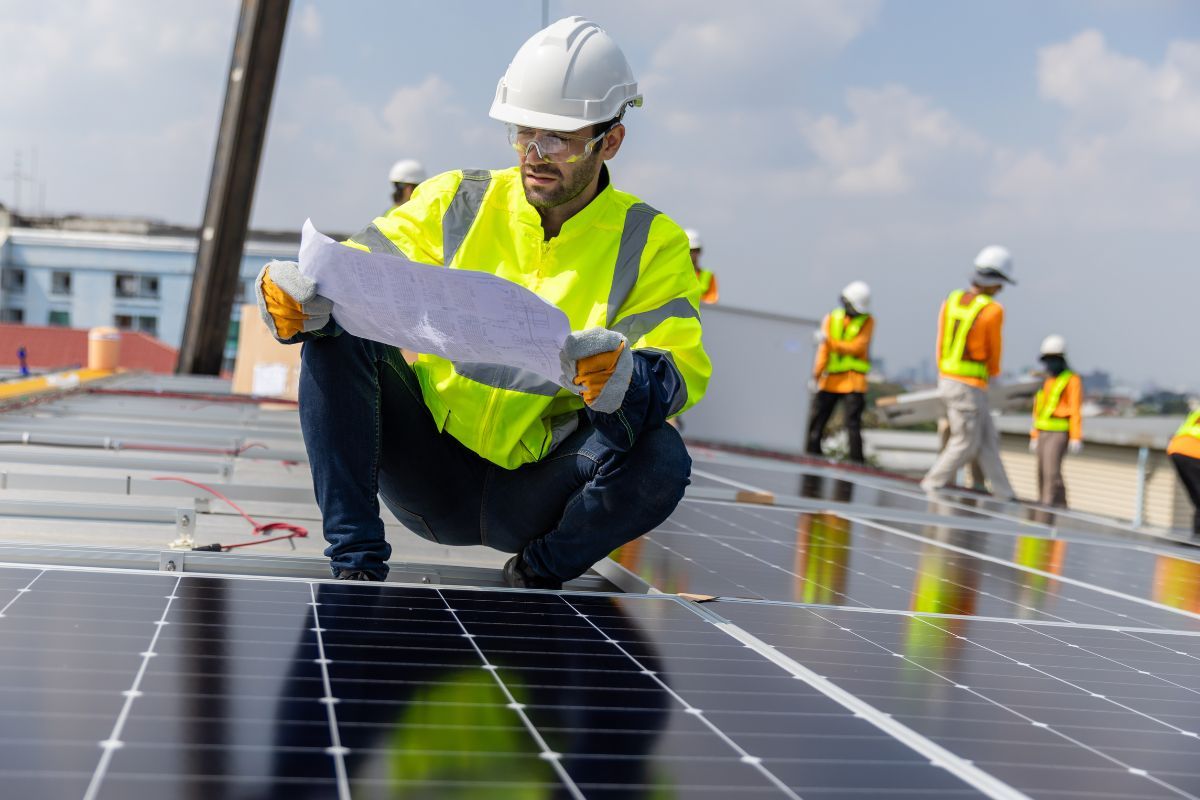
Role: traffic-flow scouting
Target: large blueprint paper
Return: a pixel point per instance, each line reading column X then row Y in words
column 457, row 314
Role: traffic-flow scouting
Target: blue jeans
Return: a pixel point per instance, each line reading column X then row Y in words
column 369, row 435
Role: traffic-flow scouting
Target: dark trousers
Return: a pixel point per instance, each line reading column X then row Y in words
column 1189, row 472
column 369, row 435
column 852, row 409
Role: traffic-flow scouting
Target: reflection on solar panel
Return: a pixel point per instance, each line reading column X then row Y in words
column 127, row 684
column 1051, row 710
column 866, row 640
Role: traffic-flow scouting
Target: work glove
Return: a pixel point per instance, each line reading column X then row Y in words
column 813, row 386
column 599, row 361
column 288, row 301
column 1075, row 447
column 1033, row 445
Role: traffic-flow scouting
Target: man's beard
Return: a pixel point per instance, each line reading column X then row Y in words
column 562, row 192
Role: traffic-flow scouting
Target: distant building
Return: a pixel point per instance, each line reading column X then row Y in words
column 136, row 275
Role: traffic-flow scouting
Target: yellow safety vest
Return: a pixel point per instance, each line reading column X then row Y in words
column 842, row 331
column 1190, row 426
column 957, row 324
column 1044, row 407
column 617, row 264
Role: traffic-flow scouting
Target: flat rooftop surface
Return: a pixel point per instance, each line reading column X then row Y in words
column 795, row 630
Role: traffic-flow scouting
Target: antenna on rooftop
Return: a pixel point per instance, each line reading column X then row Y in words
column 545, row 13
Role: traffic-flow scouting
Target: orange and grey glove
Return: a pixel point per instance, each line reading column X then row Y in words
column 288, row 300
column 600, row 363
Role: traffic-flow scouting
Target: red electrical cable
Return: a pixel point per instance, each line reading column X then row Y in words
column 296, row 531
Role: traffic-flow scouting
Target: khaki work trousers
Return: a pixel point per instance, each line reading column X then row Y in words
column 1051, row 447
column 973, row 437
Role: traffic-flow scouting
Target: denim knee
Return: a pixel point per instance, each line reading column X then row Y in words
column 668, row 470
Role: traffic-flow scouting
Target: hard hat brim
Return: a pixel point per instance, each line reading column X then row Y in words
column 505, row 112
column 990, row 277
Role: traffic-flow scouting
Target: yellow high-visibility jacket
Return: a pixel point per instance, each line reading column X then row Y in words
column 617, row 264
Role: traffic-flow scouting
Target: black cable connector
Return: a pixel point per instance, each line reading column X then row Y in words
column 209, row 548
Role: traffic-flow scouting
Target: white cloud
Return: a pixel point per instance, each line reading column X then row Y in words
column 1115, row 94
column 1130, row 147
column 893, row 135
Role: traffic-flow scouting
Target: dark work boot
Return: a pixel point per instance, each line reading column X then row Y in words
column 356, row 575
column 518, row 575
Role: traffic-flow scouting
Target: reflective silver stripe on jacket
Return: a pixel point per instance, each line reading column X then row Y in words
column 462, row 211
column 513, row 379
column 635, row 326
column 634, row 233
column 373, row 239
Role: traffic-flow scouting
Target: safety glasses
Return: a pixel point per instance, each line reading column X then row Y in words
column 551, row 146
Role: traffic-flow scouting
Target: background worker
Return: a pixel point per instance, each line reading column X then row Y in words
column 471, row 453
column 405, row 175
column 1057, row 421
column 708, row 281
column 1184, row 452
column 969, row 345
column 840, row 368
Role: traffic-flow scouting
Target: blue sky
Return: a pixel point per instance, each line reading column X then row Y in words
column 813, row 142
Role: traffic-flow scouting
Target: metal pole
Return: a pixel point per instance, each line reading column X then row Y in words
column 1139, row 501
column 545, row 13
column 248, row 93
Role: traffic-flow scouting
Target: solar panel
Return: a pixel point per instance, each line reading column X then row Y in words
column 122, row 684
column 767, row 553
column 1053, row 710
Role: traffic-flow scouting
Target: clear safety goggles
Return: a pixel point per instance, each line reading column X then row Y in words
column 552, row 146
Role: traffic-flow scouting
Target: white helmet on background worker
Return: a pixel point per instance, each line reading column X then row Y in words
column 406, row 170
column 1054, row 345
column 565, row 77
column 858, row 296
column 993, row 266
column 694, row 242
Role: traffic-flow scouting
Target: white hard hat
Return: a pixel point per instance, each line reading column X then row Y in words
column 858, row 294
column 995, row 264
column 407, row 170
column 567, row 76
column 694, row 242
column 1054, row 345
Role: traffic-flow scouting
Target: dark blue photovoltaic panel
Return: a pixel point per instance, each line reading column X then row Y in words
column 215, row 687
column 1046, row 708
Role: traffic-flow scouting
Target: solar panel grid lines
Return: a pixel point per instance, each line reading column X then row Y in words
column 1024, row 586
column 1034, row 570
column 335, row 748
column 868, row 576
column 745, row 756
column 1029, row 673
column 189, row 727
column 989, row 785
column 892, row 593
column 1023, row 589
column 554, row 758
column 113, row 743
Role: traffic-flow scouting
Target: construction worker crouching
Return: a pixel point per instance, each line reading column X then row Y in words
column 406, row 175
column 476, row 453
column 840, row 368
column 1057, row 421
column 969, row 346
column 1184, row 452
column 708, row 281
